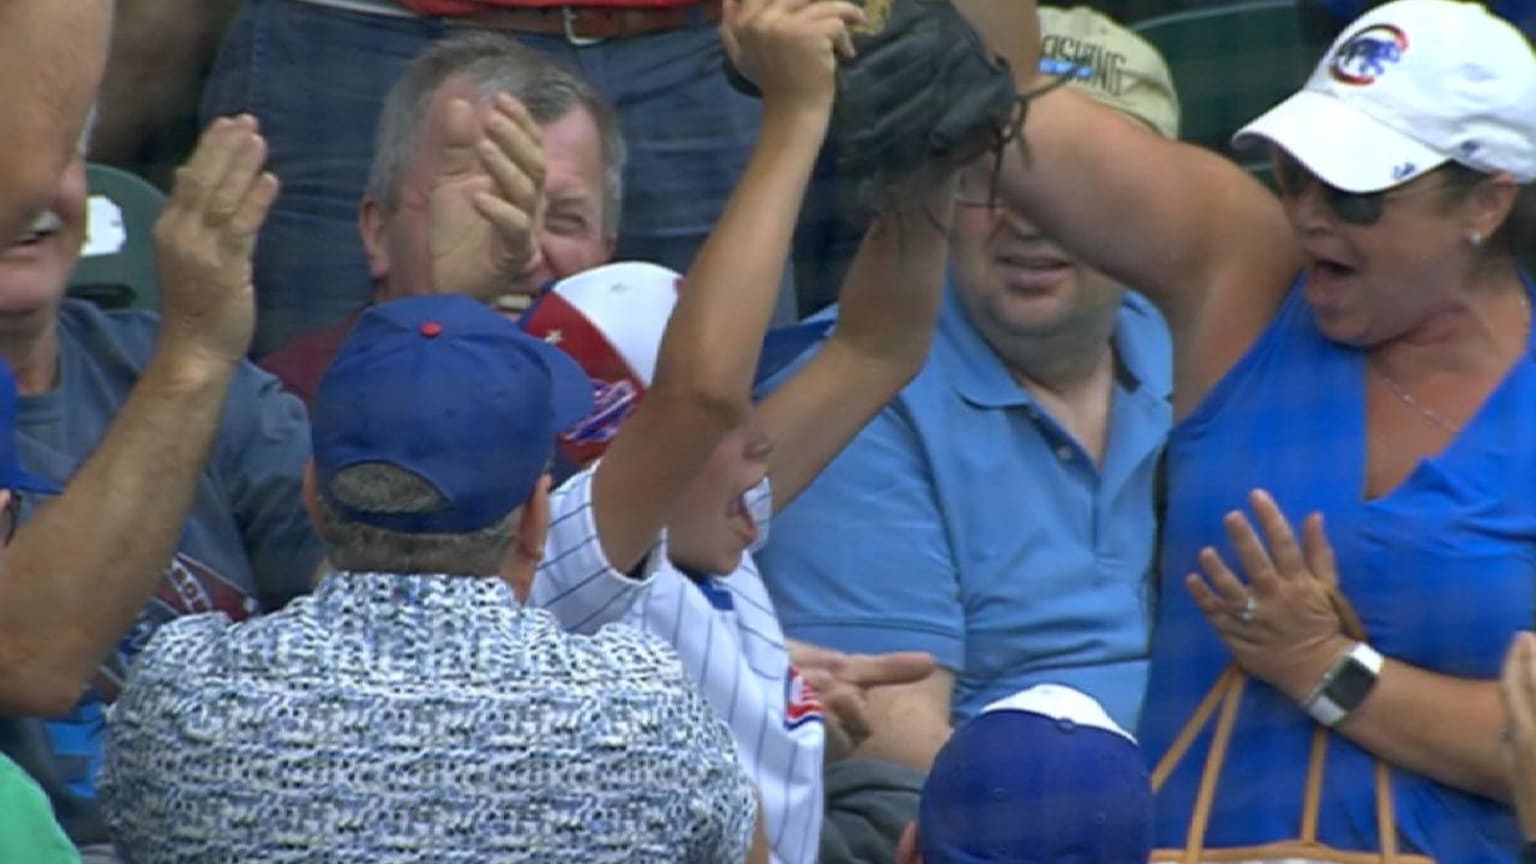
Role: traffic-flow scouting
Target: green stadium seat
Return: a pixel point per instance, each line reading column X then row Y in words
column 117, row 265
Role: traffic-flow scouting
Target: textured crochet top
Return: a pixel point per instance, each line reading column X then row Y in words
column 414, row 718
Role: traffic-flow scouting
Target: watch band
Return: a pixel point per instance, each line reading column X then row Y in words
column 1345, row 685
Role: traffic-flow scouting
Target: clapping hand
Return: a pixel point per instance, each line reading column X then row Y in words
column 486, row 198
column 204, row 241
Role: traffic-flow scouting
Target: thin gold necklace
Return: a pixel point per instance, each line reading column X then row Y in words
column 1429, row 413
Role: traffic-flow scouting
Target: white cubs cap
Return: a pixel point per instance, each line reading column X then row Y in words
column 1406, row 88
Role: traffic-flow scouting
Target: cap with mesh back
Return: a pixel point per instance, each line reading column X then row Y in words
column 1406, row 88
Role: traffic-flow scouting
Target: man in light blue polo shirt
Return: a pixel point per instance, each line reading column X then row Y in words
column 999, row 512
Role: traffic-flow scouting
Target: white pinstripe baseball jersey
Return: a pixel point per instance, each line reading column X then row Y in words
column 727, row 635
column 575, row 582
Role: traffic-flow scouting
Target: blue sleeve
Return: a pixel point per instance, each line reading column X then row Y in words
column 862, row 560
column 263, row 447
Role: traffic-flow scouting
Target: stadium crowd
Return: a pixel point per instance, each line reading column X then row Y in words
column 527, row 449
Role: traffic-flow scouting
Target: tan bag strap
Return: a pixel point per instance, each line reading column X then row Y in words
column 1197, row 721
column 1312, row 801
column 1386, row 813
column 1227, row 694
column 1214, row 760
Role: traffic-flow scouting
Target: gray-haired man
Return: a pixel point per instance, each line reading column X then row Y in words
column 495, row 171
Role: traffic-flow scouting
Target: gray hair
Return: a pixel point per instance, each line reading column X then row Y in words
column 376, row 487
column 492, row 64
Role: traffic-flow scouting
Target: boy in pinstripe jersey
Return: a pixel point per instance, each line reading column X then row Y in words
column 702, row 591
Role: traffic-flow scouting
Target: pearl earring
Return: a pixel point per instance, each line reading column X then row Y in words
column 1475, row 238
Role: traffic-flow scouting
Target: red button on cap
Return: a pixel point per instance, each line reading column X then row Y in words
column 431, row 328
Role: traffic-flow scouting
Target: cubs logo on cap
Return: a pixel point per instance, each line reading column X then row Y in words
column 1408, row 87
column 1367, row 55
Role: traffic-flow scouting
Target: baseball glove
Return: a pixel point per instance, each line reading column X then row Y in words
column 922, row 88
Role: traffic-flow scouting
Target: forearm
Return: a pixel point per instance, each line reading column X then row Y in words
column 1443, row 727
column 891, row 296
column 889, row 303
column 709, row 352
column 733, row 284
column 51, row 58
column 81, row 570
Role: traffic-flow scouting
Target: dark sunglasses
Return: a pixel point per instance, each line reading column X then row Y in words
column 1354, row 208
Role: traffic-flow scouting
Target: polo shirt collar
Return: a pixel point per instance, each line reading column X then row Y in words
column 981, row 377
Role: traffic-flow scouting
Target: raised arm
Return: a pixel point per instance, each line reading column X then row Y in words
column 703, row 382
column 1206, row 242
column 80, row 571
column 51, row 58
column 888, row 305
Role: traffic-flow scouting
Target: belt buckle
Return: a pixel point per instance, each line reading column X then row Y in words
column 568, row 17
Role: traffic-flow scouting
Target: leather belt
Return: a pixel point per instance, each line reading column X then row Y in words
column 585, row 25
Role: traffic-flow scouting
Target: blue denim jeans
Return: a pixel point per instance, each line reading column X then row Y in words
column 316, row 78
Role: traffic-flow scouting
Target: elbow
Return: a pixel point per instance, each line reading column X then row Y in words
column 39, row 702
column 710, row 409
column 706, row 392
column 31, row 685
column 35, row 695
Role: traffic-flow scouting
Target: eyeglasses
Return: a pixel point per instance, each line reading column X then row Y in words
column 1354, row 208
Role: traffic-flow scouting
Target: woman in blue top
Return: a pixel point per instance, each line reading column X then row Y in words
column 1359, row 347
